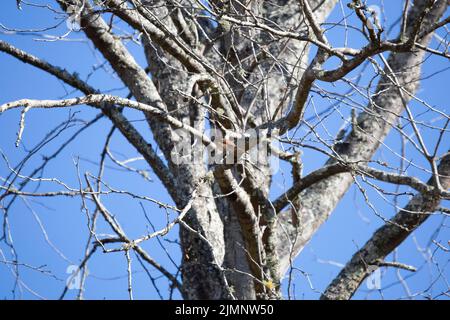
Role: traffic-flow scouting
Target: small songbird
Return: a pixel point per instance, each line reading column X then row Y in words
column 225, row 145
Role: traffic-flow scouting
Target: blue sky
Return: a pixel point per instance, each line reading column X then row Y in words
column 64, row 220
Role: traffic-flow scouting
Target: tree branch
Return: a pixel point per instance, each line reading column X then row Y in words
column 319, row 200
column 125, row 127
column 386, row 239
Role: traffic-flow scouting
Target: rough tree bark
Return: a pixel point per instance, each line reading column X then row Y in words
column 240, row 66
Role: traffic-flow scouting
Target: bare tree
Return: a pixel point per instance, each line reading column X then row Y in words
column 236, row 80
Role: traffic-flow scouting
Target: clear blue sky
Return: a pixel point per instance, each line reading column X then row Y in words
column 65, row 222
